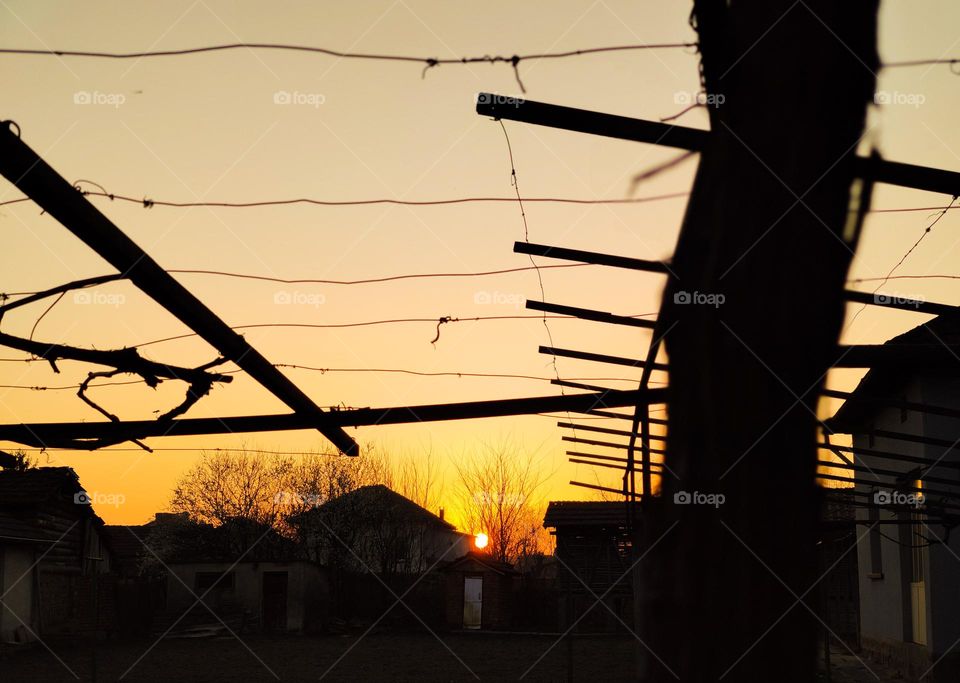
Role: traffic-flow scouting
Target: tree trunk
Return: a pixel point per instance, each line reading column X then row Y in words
column 752, row 319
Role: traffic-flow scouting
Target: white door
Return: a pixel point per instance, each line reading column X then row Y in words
column 472, row 601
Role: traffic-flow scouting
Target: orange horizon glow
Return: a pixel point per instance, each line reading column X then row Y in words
column 211, row 128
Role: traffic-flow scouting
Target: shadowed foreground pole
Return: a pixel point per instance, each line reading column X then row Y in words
column 753, row 319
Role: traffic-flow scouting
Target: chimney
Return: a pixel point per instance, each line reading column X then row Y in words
column 441, row 514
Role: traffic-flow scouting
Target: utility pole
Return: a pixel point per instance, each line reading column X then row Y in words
column 726, row 592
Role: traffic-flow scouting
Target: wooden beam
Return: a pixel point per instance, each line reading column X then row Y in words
column 599, row 358
column 594, row 257
column 589, row 314
column 53, row 434
column 693, row 139
column 50, row 191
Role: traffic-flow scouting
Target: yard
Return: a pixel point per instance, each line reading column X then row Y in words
column 374, row 658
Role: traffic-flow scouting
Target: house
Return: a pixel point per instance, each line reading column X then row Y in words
column 247, row 595
column 909, row 571
column 375, row 545
column 374, row 529
column 838, row 589
column 53, row 558
column 240, row 573
column 479, row 592
column 20, row 544
column 594, row 553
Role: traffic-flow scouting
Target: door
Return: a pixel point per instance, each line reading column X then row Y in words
column 274, row 601
column 472, row 601
column 918, row 592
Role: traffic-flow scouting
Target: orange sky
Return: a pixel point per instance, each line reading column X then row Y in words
column 208, row 127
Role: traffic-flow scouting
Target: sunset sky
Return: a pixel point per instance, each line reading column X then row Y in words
column 215, row 127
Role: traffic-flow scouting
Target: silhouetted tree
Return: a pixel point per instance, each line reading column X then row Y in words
column 498, row 494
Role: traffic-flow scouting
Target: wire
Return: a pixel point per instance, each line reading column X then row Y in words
column 368, row 323
column 389, row 278
column 951, row 61
column 150, row 203
column 909, row 251
column 451, row 373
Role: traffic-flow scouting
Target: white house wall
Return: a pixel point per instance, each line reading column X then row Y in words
column 17, row 582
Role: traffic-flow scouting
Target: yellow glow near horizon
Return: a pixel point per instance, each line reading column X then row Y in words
column 210, row 127
column 481, row 540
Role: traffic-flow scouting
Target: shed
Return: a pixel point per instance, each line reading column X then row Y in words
column 594, row 549
column 479, row 592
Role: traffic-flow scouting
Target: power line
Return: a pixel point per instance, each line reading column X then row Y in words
column 150, row 203
column 367, row 323
column 315, row 281
column 390, row 278
column 428, row 62
column 906, row 277
column 322, row 370
column 909, row 251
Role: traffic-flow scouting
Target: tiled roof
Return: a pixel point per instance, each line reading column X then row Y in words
column 384, row 500
column 585, row 513
column 36, row 485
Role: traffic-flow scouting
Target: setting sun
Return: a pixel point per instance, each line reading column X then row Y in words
column 480, row 540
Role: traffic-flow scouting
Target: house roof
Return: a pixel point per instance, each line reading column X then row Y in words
column 125, row 541
column 930, row 341
column 585, row 513
column 37, row 485
column 484, row 559
column 384, row 501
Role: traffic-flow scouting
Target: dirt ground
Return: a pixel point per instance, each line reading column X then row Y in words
column 343, row 658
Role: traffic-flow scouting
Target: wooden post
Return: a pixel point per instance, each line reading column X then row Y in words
column 753, row 317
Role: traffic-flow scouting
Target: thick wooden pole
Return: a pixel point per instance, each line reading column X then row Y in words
column 725, row 589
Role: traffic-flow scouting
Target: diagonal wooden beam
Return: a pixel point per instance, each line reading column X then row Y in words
column 34, row 177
